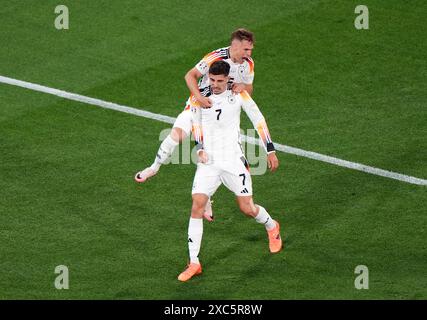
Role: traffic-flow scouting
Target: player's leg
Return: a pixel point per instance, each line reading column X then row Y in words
column 195, row 227
column 181, row 129
column 241, row 184
column 197, row 131
column 205, row 183
column 248, row 207
column 195, row 234
column 261, row 216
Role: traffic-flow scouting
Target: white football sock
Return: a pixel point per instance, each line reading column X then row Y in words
column 166, row 148
column 264, row 218
column 195, row 232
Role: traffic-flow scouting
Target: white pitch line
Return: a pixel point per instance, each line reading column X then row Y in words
column 87, row 100
column 171, row 120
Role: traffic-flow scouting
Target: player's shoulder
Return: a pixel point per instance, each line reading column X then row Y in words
column 218, row 54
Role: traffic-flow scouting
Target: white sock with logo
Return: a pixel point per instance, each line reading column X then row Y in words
column 166, row 149
column 195, row 232
column 264, row 218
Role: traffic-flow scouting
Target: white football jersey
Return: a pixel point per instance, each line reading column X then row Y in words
column 239, row 72
column 220, row 127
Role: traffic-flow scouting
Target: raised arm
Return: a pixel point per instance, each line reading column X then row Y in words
column 198, row 133
column 192, row 78
column 240, row 87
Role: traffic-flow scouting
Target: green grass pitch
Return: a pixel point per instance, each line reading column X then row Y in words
column 66, row 168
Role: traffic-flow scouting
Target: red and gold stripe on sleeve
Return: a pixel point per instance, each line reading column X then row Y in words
column 264, row 134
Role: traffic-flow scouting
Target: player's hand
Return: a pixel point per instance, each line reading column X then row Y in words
column 272, row 161
column 238, row 87
column 205, row 102
column 203, row 156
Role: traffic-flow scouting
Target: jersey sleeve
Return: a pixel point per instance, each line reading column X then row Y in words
column 203, row 65
column 258, row 121
column 248, row 77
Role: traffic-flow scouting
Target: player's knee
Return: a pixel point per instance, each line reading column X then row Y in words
column 198, row 207
column 196, row 212
column 177, row 134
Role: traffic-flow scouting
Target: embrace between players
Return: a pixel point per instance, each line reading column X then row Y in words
column 220, row 85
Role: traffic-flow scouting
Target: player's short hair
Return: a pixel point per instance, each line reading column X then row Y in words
column 219, row 67
column 242, row 34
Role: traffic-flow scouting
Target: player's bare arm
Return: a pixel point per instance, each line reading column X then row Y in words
column 191, row 78
column 240, row 87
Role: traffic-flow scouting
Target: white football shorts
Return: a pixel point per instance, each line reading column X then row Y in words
column 184, row 120
column 209, row 177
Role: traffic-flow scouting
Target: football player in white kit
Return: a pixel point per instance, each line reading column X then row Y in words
column 238, row 55
column 222, row 161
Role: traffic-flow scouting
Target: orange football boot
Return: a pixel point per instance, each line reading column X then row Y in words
column 274, row 239
column 193, row 269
